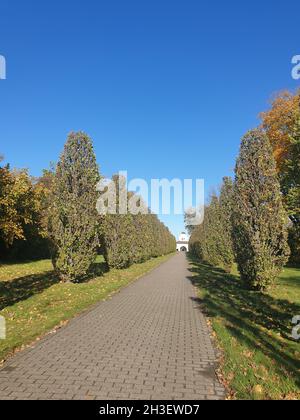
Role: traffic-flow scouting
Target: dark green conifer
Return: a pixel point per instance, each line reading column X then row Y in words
column 259, row 219
column 73, row 224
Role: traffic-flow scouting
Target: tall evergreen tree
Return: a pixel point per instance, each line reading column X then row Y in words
column 260, row 221
column 225, row 244
column 290, row 181
column 73, row 222
column 212, row 228
column 117, row 230
column 132, row 238
column 197, row 242
column 212, row 241
column 290, row 177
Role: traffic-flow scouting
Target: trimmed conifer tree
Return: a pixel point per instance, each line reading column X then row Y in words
column 132, row 238
column 197, row 242
column 117, row 231
column 225, row 244
column 290, row 177
column 290, row 181
column 212, row 228
column 73, row 223
column 259, row 219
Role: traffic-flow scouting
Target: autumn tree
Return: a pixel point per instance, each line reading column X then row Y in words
column 279, row 122
column 73, row 225
column 259, row 218
column 22, row 234
column 117, row 229
column 197, row 242
column 10, row 220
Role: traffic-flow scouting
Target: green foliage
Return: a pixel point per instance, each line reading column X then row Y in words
column 10, row 220
column 197, row 242
column 21, row 229
column 290, row 182
column 225, row 244
column 259, row 219
column 117, row 232
column 212, row 232
column 294, row 243
column 212, row 241
column 73, row 225
column 133, row 238
column 57, row 212
column 190, row 228
column 290, row 175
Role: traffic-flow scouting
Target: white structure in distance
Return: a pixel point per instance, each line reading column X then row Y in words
column 182, row 245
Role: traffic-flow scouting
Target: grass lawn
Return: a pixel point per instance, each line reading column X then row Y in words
column 33, row 301
column 260, row 360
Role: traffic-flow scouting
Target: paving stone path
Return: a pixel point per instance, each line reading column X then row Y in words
column 150, row 341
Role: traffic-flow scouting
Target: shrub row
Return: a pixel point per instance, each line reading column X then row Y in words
column 247, row 222
column 56, row 216
column 129, row 239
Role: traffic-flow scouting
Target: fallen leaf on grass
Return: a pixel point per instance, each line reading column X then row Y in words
column 258, row 390
column 247, row 353
column 230, row 376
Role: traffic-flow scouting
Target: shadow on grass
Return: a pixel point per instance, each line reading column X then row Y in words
column 254, row 318
column 22, row 288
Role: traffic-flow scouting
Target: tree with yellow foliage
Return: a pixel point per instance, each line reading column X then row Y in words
column 10, row 221
column 282, row 126
column 22, row 234
column 279, row 123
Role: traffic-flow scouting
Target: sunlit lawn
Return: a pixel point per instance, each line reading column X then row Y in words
column 261, row 360
column 33, row 301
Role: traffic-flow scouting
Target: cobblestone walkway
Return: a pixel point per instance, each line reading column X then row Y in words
column 150, row 341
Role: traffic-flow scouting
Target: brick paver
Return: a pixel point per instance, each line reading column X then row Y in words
column 150, row 341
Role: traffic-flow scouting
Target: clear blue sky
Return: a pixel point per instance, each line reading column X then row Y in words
column 164, row 88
